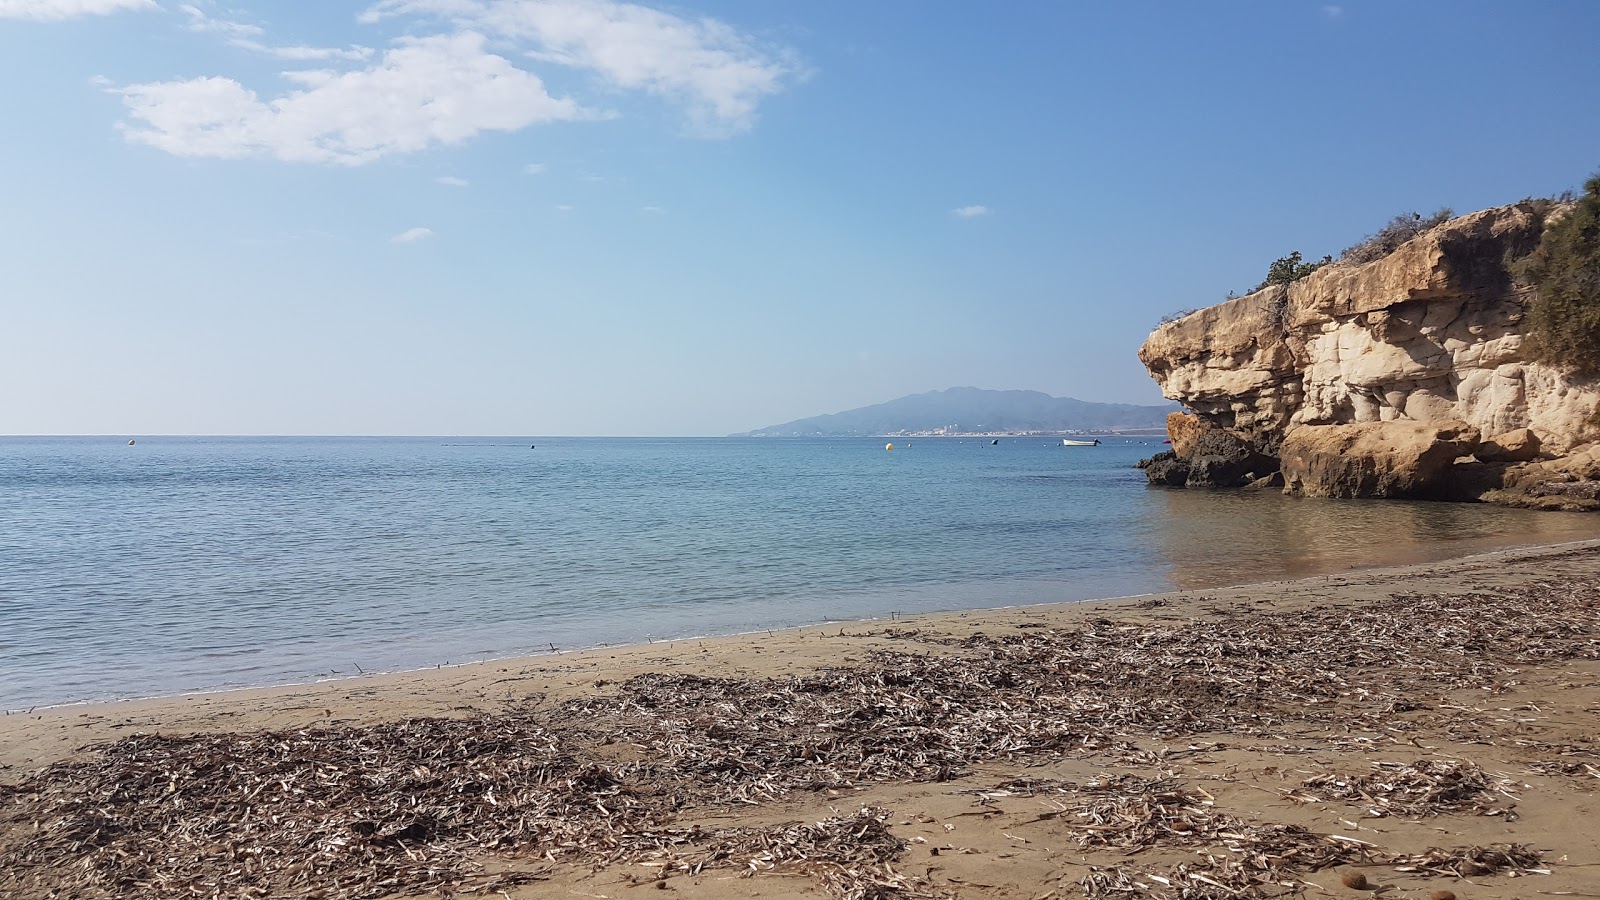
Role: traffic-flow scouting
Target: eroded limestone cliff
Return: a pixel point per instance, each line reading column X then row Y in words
column 1407, row 376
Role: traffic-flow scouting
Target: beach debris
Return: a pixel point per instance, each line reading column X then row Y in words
column 1248, row 871
column 1464, row 862
column 1564, row 759
column 1237, row 858
column 344, row 811
column 1255, row 868
column 1426, row 787
column 1356, row 881
column 851, row 855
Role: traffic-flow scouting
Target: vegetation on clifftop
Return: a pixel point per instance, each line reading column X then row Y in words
column 1388, row 239
column 1564, row 313
column 1401, row 228
column 1289, row 269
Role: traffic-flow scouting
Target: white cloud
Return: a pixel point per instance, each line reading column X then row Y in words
column 563, row 208
column 719, row 74
column 57, row 10
column 199, row 21
column 654, row 210
column 451, row 181
column 534, row 168
column 1333, row 12
column 303, row 53
column 422, row 92
column 244, row 34
column 411, row 236
column 971, row 212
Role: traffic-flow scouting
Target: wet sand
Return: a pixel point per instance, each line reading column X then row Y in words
column 1346, row 734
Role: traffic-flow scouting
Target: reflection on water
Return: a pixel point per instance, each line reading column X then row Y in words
column 197, row 563
column 1214, row 538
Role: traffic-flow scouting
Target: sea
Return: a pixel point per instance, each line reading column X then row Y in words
column 183, row 564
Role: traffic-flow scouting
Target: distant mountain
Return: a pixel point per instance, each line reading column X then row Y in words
column 969, row 410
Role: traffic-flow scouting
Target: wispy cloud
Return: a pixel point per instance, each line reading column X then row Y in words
column 971, row 212
column 534, row 168
column 562, row 207
column 451, row 181
column 653, row 210
column 717, row 73
column 1333, row 12
column 199, row 21
column 245, row 36
column 421, row 93
column 411, row 236
column 302, row 53
column 59, row 10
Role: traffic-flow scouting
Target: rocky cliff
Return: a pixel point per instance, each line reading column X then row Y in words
column 1407, row 376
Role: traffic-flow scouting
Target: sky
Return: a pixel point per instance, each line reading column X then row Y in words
column 584, row 217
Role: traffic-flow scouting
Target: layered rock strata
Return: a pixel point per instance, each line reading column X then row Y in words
column 1407, row 376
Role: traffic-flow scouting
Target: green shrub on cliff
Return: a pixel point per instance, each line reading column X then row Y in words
column 1564, row 313
column 1289, row 269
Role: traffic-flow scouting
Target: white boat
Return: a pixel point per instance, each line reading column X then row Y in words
column 1069, row 442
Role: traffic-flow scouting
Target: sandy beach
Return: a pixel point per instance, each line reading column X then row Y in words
column 1405, row 731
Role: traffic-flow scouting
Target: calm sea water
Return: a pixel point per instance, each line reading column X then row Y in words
column 185, row 564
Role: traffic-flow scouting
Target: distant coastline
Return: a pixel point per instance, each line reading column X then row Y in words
column 942, row 433
column 976, row 412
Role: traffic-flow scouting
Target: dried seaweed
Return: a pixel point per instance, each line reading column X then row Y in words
column 351, row 812
column 1564, row 759
column 1462, row 862
column 355, row 812
column 1237, row 858
column 1257, row 866
column 851, row 856
column 1427, row 787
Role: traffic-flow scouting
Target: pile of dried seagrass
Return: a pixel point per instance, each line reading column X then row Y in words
column 1427, row 787
column 421, row 804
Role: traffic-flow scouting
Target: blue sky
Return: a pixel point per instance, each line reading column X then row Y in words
column 563, row 217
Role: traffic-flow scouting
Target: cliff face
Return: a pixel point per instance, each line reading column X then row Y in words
column 1429, row 335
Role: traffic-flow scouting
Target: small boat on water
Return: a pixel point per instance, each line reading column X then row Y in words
column 1069, row 442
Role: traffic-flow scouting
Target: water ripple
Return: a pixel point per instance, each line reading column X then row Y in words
column 188, row 564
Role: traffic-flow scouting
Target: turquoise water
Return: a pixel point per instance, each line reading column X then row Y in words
column 186, row 564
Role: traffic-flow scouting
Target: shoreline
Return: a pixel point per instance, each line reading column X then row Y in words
column 519, row 658
column 312, row 592
column 462, row 675
column 1202, row 727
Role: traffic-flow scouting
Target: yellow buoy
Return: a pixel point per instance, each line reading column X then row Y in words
column 888, row 446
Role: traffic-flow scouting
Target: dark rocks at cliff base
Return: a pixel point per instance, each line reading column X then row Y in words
column 1165, row 468
column 1221, row 459
column 1204, row 456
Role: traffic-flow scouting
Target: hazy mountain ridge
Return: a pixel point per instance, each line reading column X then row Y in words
column 970, row 410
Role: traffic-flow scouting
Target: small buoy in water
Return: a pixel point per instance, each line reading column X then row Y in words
column 533, row 446
column 888, row 446
column 130, row 442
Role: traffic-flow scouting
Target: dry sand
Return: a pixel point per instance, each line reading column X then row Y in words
column 1012, row 764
